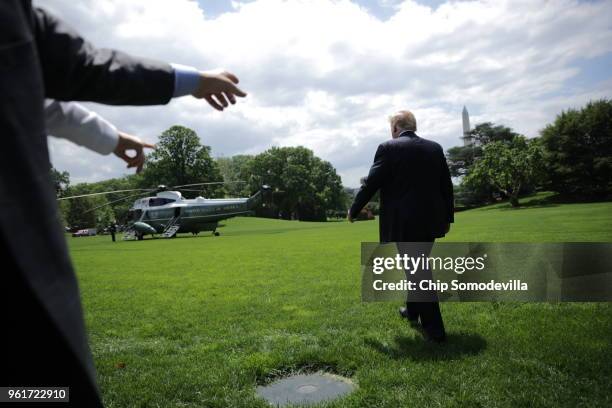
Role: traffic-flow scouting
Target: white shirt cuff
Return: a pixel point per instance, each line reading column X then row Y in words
column 74, row 122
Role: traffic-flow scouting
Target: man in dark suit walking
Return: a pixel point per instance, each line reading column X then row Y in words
column 416, row 203
column 43, row 333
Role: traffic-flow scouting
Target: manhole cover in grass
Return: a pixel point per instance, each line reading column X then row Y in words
column 305, row 389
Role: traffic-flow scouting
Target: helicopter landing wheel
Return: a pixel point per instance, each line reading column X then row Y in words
column 216, row 234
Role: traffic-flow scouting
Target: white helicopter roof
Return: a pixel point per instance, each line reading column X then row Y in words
column 161, row 198
column 175, row 198
column 172, row 195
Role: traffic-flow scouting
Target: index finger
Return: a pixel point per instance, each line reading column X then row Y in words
column 239, row 92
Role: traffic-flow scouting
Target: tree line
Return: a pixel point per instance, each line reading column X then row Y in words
column 572, row 156
column 304, row 186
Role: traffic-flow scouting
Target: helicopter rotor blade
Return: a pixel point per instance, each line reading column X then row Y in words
column 117, row 201
column 103, row 193
column 208, row 184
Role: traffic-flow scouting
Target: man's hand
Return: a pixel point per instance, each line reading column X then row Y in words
column 128, row 142
column 349, row 217
column 219, row 89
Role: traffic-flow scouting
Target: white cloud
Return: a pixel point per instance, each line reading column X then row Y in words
column 326, row 74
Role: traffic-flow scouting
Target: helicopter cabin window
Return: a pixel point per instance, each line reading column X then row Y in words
column 135, row 214
column 157, row 201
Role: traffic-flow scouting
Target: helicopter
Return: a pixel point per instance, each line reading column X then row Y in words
column 168, row 213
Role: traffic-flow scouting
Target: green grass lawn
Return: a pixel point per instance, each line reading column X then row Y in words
column 201, row 321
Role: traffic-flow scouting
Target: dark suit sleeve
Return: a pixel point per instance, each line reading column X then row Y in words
column 374, row 181
column 446, row 186
column 73, row 69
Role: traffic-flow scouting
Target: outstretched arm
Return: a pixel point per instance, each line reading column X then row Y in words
column 219, row 88
column 73, row 69
column 373, row 183
column 74, row 122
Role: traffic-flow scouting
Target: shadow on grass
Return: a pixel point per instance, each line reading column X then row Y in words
column 457, row 345
column 538, row 203
column 527, row 206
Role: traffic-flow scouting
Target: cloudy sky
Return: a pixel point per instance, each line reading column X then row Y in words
column 326, row 74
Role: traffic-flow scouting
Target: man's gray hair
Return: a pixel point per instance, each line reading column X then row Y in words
column 404, row 120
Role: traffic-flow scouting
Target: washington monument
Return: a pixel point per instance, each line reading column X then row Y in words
column 466, row 127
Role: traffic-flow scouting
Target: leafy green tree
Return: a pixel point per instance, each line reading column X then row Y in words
column 461, row 160
column 330, row 194
column 117, row 204
column 79, row 214
column 508, row 166
column 307, row 188
column 61, row 183
column 180, row 159
column 89, row 212
column 234, row 169
column 578, row 151
column 60, row 180
column 487, row 132
column 104, row 214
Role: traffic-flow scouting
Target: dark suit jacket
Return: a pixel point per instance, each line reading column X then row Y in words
column 416, row 191
column 42, row 57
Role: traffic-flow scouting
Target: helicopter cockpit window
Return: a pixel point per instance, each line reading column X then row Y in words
column 157, row 201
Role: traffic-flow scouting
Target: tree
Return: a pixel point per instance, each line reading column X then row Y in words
column 508, row 166
column 487, row 132
column 119, row 203
column 307, row 188
column 180, row 159
column 234, row 169
column 104, row 214
column 89, row 212
column 461, row 160
column 329, row 193
column 578, row 151
column 117, row 207
column 79, row 213
column 60, row 180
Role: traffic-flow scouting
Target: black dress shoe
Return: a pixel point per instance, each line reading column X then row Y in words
column 433, row 339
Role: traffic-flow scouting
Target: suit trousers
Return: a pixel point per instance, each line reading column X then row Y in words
column 422, row 305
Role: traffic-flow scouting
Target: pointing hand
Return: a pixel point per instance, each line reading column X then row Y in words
column 219, row 89
column 127, row 143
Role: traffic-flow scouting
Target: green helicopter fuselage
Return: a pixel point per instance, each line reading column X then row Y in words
column 168, row 212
